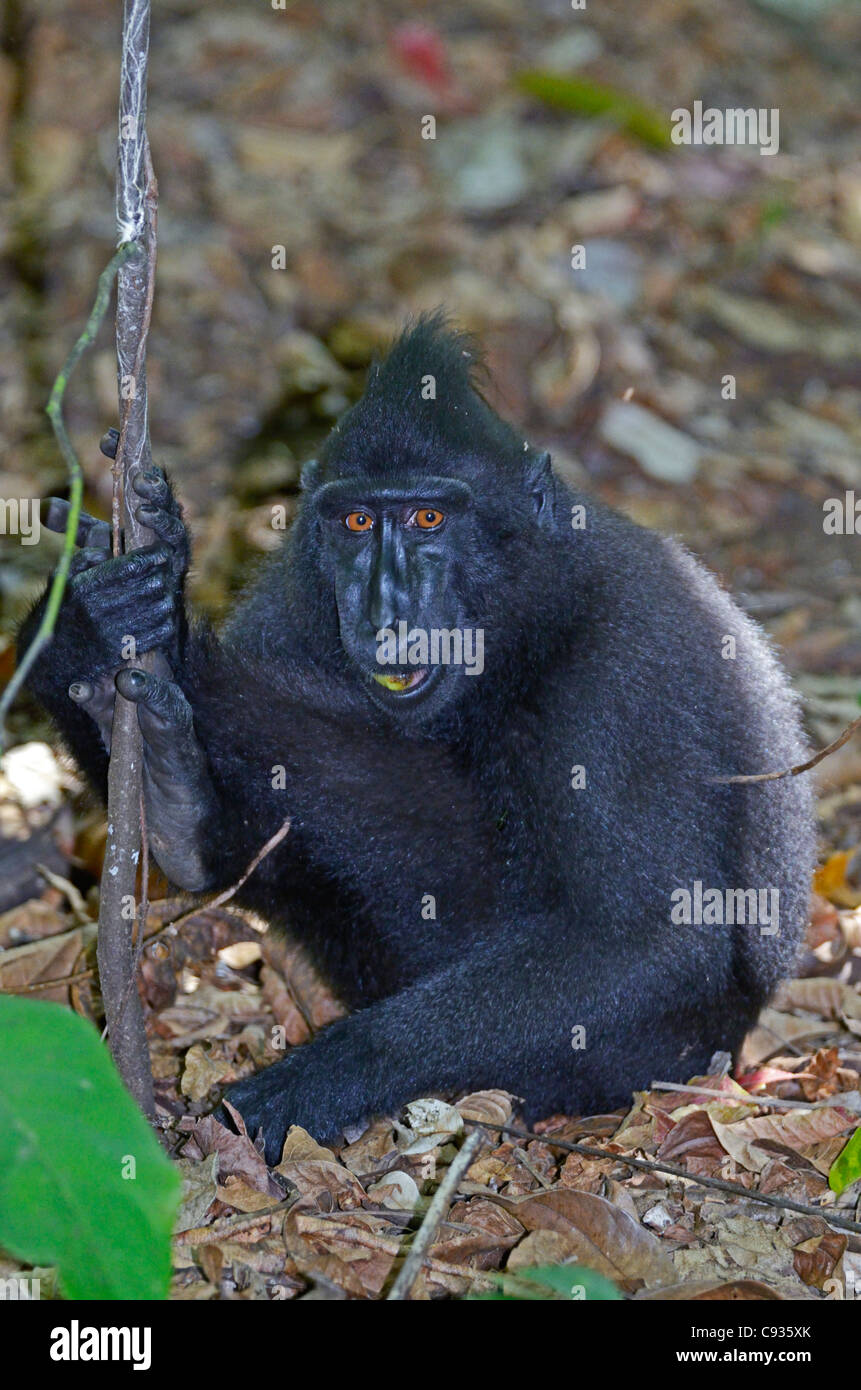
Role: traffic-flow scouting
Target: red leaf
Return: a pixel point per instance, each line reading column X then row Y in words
column 422, row 52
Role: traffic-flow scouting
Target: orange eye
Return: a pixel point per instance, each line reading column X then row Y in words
column 358, row 521
column 428, row 518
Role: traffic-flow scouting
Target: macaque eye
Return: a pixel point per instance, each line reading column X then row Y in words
column 358, row 521
column 428, row 518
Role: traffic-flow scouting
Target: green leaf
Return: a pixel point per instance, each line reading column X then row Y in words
column 569, row 1279
column 550, row 1282
column 595, row 99
column 846, row 1167
column 84, row 1183
column 772, row 213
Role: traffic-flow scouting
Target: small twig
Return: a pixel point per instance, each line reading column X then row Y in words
column 783, row 1044
column 231, row 1227
column 143, row 905
column 76, row 901
column 523, row 1158
column 389, row 1245
column 800, row 767
column 645, row 1165
column 173, row 925
column 228, row 893
column 39, row 986
column 767, row 1102
column 433, row 1217
column 54, row 411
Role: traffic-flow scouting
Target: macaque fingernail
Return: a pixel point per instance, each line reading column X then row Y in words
column 108, row 443
column 134, row 680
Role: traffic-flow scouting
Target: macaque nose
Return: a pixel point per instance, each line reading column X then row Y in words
column 388, row 598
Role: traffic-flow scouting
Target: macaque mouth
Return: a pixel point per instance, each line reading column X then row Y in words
column 401, row 682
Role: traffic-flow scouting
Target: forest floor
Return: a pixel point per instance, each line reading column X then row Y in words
column 700, row 372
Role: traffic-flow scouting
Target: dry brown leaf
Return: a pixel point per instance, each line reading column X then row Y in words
column 491, row 1231
column 207, row 1012
column 619, row 1193
column 796, row 1178
column 326, row 1184
column 235, row 1192
column 307, row 997
column 772, row 1031
column 200, row 1073
column 374, row 1152
column 29, row 922
column 199, row 1182
column 397, row 1191
column 603, row 1237
column 822, row 1156
column 360, row 1246
column 530, row 1165
column 493, row 1169
column 795, row 1129
column 585, row 1174
column 736, row 1244
column 823, row 1075
column 277, row 996
column 299, row 1146
column 830, row 878
column 328, row 1269
column 54, row 958
column 316, row 1174
column 487, row 1107
column 640, row 1136
column 693, row 1136
column 637, row 1119
column 431, row 1123
column 816, row 1259
column 706, row 1290
column 820, row 995
column 265, row 1256
column 741, row 1147
column 236, row 1154
column 540, row 1248
column 850, row 925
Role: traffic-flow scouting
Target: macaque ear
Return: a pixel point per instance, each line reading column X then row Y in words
column 539, row 483
column 310, row 475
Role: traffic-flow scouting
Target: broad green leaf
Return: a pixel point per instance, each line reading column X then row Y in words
column 568, row 1280
column 846, row 1167
column 84, row 1184
column 550, row 1283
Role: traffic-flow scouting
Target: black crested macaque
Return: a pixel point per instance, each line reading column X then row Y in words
column 494, row 710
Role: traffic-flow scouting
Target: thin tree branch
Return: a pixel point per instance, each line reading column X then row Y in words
column 799, row 767
column 227, row 893
column 433, row 1217
column 136, row 207
column 646, row 1165
column 764, row 1102
column 172, row 926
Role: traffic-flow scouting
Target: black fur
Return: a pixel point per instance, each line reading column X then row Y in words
column 603, row 648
